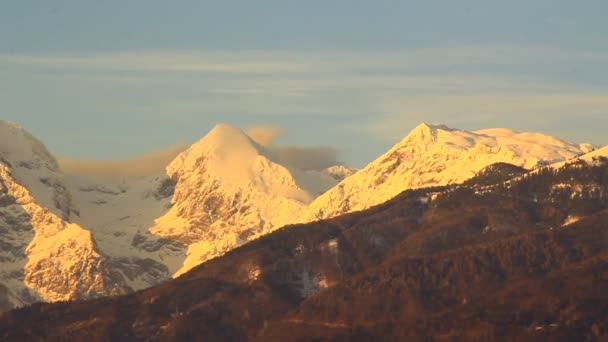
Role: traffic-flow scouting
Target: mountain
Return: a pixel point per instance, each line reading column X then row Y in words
column 437, row 155
column 34, row 167
column 596, row 156
column 477, row 261
column 67, row 236
column 230, row 190
column 43, row 257
column 123, row 234
column 119, row 213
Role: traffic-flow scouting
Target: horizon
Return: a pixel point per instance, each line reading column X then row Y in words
column 298, row 157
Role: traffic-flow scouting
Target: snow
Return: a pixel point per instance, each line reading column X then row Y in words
column 60, row 255
column 587, row 157
column 60, row 261
column 229, row 191
column 119, row 212
column 433, row 156
column 339, row 172
column 34, row 167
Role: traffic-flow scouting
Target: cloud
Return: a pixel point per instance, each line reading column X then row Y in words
column 307, row 158
column 263, row 135
column 300, row 157
column 148, row 164
column 161, row 61
column 273, row 61
column 379, row 93
column 322, row 82
column 303, row 158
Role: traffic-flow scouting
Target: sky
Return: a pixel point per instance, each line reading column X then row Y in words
column 118, row 79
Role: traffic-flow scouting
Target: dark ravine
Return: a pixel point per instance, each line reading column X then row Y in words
column 476, row 261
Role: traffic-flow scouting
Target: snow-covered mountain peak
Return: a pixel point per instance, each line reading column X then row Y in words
column 225, row 140
column 538, row 148
column 227, row 156
column 225, row 149
column 426, row 127
column 437, row 155
column 425, row 133
column 43, row 256
column 133, row 232
column 21, row 149
column 226, row 134
column 230, row 190
column 33, row 166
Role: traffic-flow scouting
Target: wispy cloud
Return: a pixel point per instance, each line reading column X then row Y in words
column 397, row 87
column 301, row 157
column 159, row 61
column 145, row 165
column 415, row 59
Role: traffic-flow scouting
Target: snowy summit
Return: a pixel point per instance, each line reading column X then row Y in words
column 438, row 155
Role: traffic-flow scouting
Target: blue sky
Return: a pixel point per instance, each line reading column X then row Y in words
column 114, row 79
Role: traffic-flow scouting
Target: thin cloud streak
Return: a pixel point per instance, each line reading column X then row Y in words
column 305, row 61
column 155, row 62
column 149, row 164
column 396, row 89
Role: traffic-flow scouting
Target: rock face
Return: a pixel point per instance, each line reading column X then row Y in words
column 48, row 253
column 35, row 168
column 437, row 155
column 119, row 213
column 43, row 257
column 484, row 261
column 228, row 191
column 68, row 236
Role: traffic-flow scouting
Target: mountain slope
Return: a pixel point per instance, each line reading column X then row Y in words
column 34, row 167
column 456, row 262
column 119, row 212
column 229, row 191
column 437, row 155
column 226, row 190
column 43, row 257
column 599, row 155
column 70, row 238
column 130, row 233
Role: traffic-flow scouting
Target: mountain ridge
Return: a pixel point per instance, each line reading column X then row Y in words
column 222, row 192
column 228, row 191
column 432, row 155
column 463, row 261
